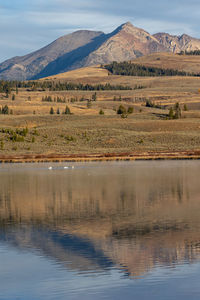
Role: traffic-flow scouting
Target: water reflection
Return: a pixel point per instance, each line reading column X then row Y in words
column 131, row 216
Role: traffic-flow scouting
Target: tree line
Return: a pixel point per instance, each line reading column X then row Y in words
column 194, row 52
column 130, row 69
column 8, row 86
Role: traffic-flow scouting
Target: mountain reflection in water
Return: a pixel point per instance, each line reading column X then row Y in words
column 133, row 216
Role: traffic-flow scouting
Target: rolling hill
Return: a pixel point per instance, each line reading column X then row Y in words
column 185, row 63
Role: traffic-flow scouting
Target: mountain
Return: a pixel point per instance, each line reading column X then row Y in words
column 85, row 48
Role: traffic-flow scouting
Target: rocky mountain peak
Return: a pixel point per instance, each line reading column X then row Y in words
column 127, row 25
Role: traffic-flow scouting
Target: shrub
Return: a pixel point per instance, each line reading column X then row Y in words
column 2, row 145
column 5, row 110
column 175, row 113
column 35, row 132
column 130, row 110
column 124, row 115
column 89, row 104
column 121, row 110
column 70, row 138
column 171, row 113
column 94, row 97
column 101, row 112
column 149, row 103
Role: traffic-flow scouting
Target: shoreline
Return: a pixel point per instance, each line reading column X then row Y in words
column 148, row 155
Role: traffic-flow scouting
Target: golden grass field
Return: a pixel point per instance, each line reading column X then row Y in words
column 87, row 132
column 185, row 63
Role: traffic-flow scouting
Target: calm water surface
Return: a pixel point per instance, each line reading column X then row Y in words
column 126, row 230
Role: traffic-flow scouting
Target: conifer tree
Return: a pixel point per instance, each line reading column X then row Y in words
column 51, row 111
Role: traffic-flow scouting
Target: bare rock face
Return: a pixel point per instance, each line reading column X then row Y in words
column 177, row 44
column 125, row 43
column 85, row 48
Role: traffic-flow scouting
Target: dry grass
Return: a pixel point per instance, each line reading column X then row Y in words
column 94, row 71
column 100, row 134
column 161, row 90
column 85, row 131
column 187, row 63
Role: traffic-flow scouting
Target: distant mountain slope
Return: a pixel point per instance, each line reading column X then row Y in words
column 85, row 48
column 126, row 43
column 177, row 44
column 28, row 66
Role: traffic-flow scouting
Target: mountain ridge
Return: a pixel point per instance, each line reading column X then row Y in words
column 85, row 48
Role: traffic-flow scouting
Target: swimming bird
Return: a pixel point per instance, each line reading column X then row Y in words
column 50, row 168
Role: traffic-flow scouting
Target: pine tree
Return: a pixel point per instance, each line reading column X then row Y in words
column 171, row 113
column 67, row 110
column 51, row 111
column 177, row 110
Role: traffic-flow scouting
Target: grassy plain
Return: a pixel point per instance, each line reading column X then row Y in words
column 87, row 132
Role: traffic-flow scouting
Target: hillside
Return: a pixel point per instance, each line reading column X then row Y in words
column 127, row 43
column 68, row 47
column 184, row 63
column 86, row 48
column 87, row 72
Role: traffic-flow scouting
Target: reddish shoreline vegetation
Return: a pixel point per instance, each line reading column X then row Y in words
column 162, row 155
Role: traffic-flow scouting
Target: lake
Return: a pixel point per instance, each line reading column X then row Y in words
column 114, row 230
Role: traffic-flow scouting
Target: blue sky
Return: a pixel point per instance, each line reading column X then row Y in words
column 26, row 25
